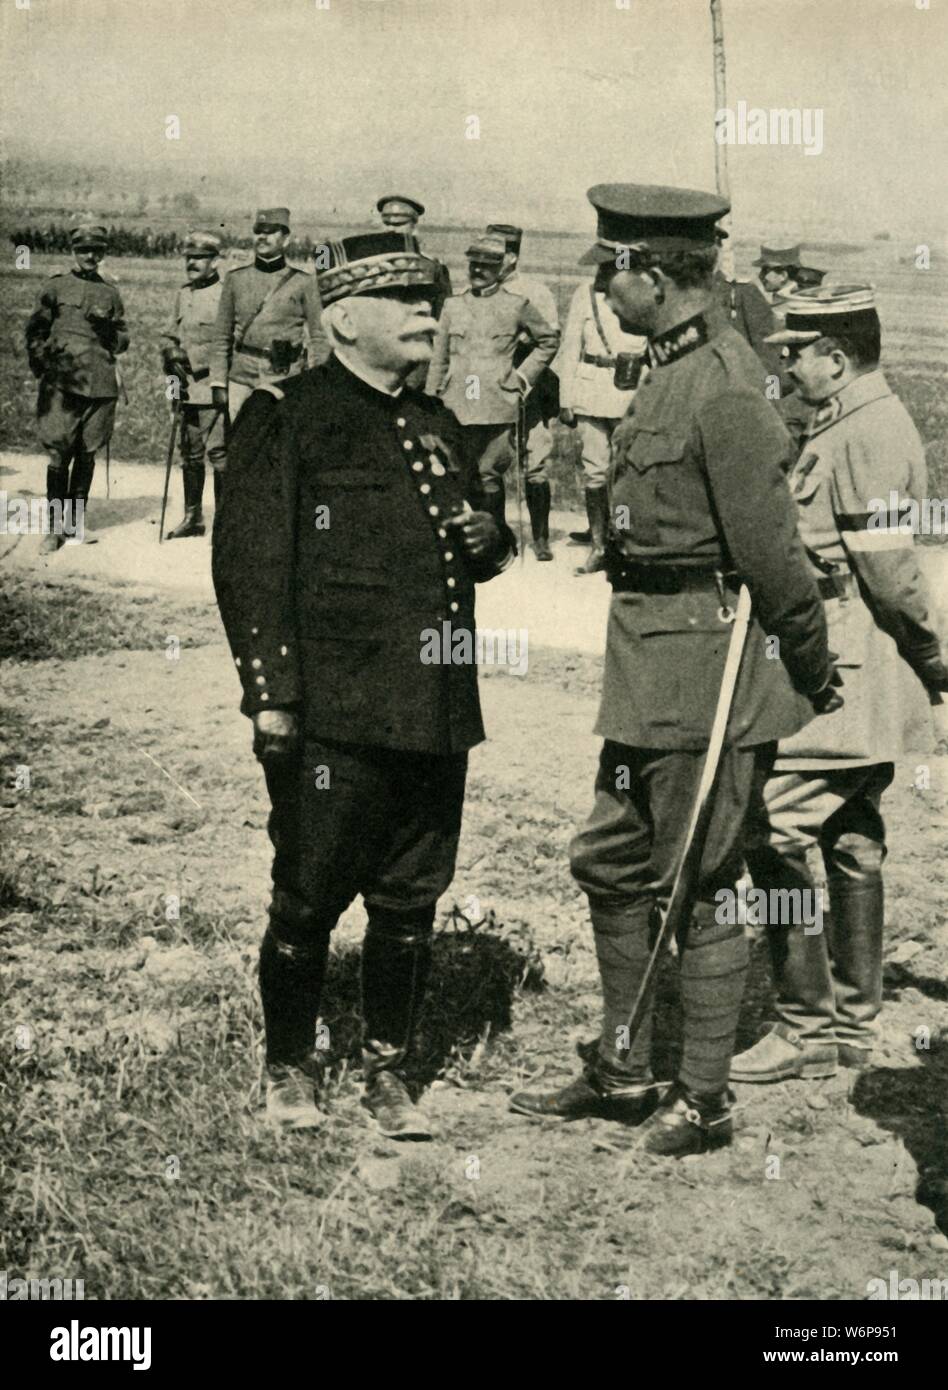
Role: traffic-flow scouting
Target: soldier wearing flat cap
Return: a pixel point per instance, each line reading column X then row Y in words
column 371, row 538
column 479, row 367
column 753, row 303
column 185, row 353
column 268, row 318
column 542, row 406
column 859, row 474
column 401, row 214
column 73, row 338
column 699, row 505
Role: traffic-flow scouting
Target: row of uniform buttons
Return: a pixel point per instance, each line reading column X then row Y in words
column 438, row 469
column 257, row 665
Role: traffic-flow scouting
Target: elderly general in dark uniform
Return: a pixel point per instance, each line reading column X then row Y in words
column 73, row 337
column 699, row 504
column 368, row 536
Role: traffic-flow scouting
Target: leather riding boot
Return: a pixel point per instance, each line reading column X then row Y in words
column 857, row 915
column 538, row 505
column 80, row 485
column 495, row 502
column 57, row 485
column 292, row 971
column 193, row 523
column 799, row 953
column 396, row 961
column 597, row 510
column 218, row 477
column 714, row 959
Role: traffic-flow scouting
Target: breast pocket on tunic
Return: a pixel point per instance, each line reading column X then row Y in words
column 651, row 479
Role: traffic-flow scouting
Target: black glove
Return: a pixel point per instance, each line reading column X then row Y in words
column 219, row 397
column 103, row 326
column 827, row 699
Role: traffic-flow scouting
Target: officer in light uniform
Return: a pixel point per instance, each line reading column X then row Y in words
column 73, row 337
column 185, row 353
column 828, row 779
column 543, row 402
column 268, row 320
column 700, row 505
column 477, row 367
column 599, row 367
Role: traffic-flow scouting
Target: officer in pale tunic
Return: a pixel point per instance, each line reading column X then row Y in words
column 829, row 778
column 543, row 403
column 491, row 346
column 596, row 352
column 185, row 355
column 268, row 320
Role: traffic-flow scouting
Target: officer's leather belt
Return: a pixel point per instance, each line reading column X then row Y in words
column 265, row 352
column 836, row 585
column 595, row 360
column 668, row 579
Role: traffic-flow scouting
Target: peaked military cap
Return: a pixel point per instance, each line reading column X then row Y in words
column 88, row 234
column 651, row 219
column 397, row 205
column 202, row 244
column 778, row 256
column 489, row 250
column 373, row 261
column 271, row 217
column 512, row 236
column 827, row 309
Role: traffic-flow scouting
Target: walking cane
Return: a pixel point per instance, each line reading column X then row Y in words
column 175, row 412
column 689, row 862
column 520, row 449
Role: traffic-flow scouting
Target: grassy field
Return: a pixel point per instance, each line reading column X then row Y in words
column 913, row 304
column 133, row 883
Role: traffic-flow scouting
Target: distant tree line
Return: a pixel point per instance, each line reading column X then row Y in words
column 144, row 241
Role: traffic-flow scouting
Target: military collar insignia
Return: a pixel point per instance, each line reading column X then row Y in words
column 202, row 284
column 862, row 391
column 678, row 341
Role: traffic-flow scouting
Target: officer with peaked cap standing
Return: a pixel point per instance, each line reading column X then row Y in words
column 73, row 337
column 477, row 367
column 862, row 452
column 599, row 369
column 401, row 214
column 371, row 536
column 754, row 303
column 699, row 506
column 185, row 353
column 543, row 403
column 266, row 310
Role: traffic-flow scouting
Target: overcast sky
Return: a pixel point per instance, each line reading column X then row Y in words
column 329, row 107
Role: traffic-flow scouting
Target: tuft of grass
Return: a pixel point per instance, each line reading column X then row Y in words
column 40, row 620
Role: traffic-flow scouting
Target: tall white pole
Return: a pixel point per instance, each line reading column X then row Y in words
column 720, row 147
